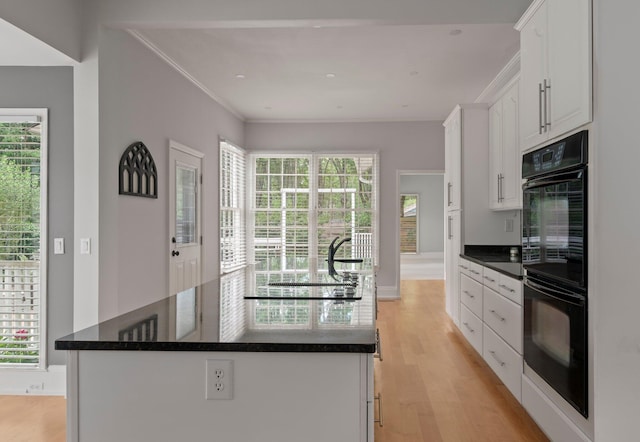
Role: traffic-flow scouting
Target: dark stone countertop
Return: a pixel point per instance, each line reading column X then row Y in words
column 215, row 317
column 497, row 258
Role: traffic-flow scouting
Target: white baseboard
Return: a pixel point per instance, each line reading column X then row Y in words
column 388, row 293
column 49, row 382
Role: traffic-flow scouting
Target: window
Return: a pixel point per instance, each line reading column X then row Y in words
column 232, row 207
column 23, row 220
column 298, row 205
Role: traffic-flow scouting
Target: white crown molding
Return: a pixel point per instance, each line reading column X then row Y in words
column 505, row 77
column 353, row 120
column 171, row 62
column 531, row 10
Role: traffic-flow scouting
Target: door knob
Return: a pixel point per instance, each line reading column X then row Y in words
column 175, row 253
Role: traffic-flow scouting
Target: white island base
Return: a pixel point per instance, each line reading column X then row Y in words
column 158, row 396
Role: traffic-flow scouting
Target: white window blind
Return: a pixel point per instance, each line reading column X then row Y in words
column 232, row 207
column 22, row 231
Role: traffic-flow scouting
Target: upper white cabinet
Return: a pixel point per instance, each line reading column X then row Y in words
column 505, row 158
column 556, row 69
column 452, row 159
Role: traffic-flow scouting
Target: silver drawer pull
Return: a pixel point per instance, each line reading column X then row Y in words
column 489, row 279
column 380, row 420
column 378, row 346
column 493, row 353
column 468, row 294
column 475, row 272
column 498, row 315
column 507, row 288
column 466, row 324
column 464, row 267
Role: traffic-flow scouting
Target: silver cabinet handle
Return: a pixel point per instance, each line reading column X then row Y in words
column 489, row 279
column 493, row 353
column 507, row 288
column 540, row 92
column 498, row 187
column 466, row 324
column 378, row 346
column 547, row 101
column 450, row 234
column 501, row 318
column 463, row 267
column 380, row 420
column 449, row 202
column 475, row 272
column 466, row 292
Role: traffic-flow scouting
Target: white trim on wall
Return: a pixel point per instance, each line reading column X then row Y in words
column 49, row 382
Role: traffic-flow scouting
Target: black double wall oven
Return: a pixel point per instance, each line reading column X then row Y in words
column 554, row 257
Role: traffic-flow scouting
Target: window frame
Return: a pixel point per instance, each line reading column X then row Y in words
column 42, row 116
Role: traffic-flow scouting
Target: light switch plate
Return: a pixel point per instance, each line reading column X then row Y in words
column 58, row 246
column 85, row 246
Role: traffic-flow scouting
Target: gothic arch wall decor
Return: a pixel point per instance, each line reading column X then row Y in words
column 138, row 175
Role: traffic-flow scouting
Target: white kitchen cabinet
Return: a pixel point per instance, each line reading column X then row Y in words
column 452, row 257
column 556, row 69
column 452, row 159
column 505, row 160
column 491, row 320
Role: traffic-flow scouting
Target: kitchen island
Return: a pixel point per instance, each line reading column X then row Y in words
column 208, row 364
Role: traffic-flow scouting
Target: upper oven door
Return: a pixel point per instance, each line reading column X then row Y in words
column 554, row 227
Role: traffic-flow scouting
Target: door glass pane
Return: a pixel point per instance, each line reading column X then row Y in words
column 185, row 205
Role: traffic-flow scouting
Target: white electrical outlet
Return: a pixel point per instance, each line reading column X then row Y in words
column 219, row 379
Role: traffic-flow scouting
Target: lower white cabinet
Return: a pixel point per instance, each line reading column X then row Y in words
column 471, row 327
column 491, row 320
column 503, row 360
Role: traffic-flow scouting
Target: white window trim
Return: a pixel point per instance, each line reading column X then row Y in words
column 42, row 116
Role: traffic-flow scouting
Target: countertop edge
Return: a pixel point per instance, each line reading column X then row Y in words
column 488, row 264
column 217, row 347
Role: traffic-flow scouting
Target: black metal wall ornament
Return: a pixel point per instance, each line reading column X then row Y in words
column 138, row 175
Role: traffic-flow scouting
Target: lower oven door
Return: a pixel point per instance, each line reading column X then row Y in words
column 555, row 339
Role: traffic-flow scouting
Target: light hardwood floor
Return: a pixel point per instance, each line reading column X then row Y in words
column 434, row 386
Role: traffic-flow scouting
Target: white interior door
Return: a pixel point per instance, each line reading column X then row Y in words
column 185, row 214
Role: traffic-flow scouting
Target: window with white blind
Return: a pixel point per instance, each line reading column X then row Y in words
column 23, row 162
column 232, row 207
column 298, row 205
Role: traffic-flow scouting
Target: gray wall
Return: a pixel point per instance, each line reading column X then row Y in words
column 402, row 146
column 143, row 98
column 52, row 88
column 430, row 191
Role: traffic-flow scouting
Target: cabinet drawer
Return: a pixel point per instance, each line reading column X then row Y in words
column 504, row 317
column 504, row 361
column 511, row 288
column 471, row 327
column 471, row 269
column 471, row 294
column 491, row 279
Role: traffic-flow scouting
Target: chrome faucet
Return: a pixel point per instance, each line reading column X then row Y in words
column 331, row 259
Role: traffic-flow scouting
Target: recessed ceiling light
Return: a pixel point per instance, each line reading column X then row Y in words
column 414, row 73
column 267, row 107
column 317, row 26
column 405, row 105
column 455, row 32
column 338, row 107
column 330, row 75
column 240, row 76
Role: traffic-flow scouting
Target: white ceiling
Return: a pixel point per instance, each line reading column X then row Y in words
column 26, row 50
column 382, row 72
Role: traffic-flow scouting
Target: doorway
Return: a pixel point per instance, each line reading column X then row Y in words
column 421, row 225
column 185, row 215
